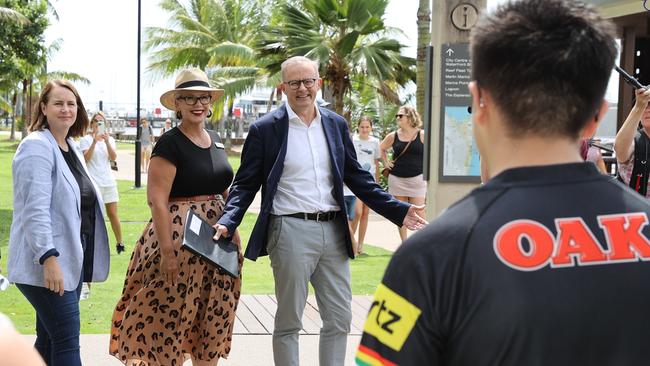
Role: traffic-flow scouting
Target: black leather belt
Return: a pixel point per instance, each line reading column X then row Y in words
column 316, row 216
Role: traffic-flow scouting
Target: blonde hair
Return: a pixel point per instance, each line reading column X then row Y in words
column 98, row 113
column 412, row 115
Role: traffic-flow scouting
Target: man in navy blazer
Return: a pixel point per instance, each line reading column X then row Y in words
column 300, row 155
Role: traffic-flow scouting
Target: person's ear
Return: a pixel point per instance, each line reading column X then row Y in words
column 592, row 125
column 478, row 103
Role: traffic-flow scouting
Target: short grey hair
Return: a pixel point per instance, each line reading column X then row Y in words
column 298, row 60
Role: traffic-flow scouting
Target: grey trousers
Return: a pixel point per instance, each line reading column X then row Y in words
column 304, row 251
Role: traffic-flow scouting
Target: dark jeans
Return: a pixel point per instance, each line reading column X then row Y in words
column 57, row 324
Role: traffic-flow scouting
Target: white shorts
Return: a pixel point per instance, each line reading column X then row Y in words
column 109, row 194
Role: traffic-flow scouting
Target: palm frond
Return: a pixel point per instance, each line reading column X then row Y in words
column 235, row 72
column 70, row 76
column 5, row 105
column 11, row 15
column 228, row 53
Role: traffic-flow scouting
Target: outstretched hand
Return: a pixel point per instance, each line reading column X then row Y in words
column 414, row 219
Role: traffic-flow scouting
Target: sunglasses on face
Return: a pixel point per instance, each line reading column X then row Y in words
column 191, row 100
column 295, row 84
column 399, row 115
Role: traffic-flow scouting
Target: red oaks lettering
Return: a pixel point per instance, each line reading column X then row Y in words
column 528, row 245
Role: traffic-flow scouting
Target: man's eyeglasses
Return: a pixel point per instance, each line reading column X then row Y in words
column 399, row 115
column 191, row 100
column 295, row 84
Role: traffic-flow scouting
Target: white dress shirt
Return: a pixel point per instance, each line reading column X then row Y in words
column 306, row 184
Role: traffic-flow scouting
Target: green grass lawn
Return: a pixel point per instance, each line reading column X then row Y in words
column 96, row 312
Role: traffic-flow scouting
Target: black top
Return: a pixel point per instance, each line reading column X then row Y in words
column 86, row 189
column 199, row 171
column 541, row 266
column 409, row 164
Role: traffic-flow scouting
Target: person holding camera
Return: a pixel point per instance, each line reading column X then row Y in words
column 99, row 150
column 632, row 146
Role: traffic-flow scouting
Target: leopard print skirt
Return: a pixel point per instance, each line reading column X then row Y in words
column 159, row 324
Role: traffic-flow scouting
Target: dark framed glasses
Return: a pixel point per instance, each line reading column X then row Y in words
column 399, row 115
column 191, row 100
column 295, row 84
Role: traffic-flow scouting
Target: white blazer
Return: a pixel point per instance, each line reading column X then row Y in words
column 47, row 215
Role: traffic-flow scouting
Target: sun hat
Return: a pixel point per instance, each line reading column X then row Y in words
column 189, row 79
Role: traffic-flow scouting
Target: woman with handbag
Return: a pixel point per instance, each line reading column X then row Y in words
column 175, row 305
column 404, row 173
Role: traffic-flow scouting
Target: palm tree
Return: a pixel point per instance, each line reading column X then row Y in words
column 214, row 35
column 348, row 38
column 424, row 39
column 12, row 16
column 34, row 75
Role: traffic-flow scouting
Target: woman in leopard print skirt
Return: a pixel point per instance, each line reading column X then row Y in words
column 175, row 306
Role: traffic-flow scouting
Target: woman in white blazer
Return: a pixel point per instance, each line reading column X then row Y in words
column 58, row 238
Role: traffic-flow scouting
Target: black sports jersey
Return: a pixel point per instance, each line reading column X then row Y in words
column 540, row 266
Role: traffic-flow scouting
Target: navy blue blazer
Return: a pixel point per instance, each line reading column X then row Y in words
column 262, row 162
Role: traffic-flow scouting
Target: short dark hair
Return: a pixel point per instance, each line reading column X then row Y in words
column 546, row 63
column 39, row 121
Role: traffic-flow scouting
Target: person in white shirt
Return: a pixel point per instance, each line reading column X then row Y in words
column 99, row 149
column 168, row 126
column 300, row 155
column 368, row 155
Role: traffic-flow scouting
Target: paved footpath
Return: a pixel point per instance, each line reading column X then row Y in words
column 247, row 350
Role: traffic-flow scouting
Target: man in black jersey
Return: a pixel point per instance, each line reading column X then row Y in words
column 547, row 263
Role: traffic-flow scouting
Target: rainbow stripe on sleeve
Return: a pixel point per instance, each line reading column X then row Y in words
column 367, row 357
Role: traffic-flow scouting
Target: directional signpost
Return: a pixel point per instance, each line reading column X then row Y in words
column 453, row 166
column 459, row 159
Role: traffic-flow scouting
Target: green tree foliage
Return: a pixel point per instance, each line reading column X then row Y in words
column 11, row 15
column 22, row 40
column 215, row 35
column 22, row 51
column 348, row 38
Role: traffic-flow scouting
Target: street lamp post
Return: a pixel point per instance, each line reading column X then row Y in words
column 138, row 146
